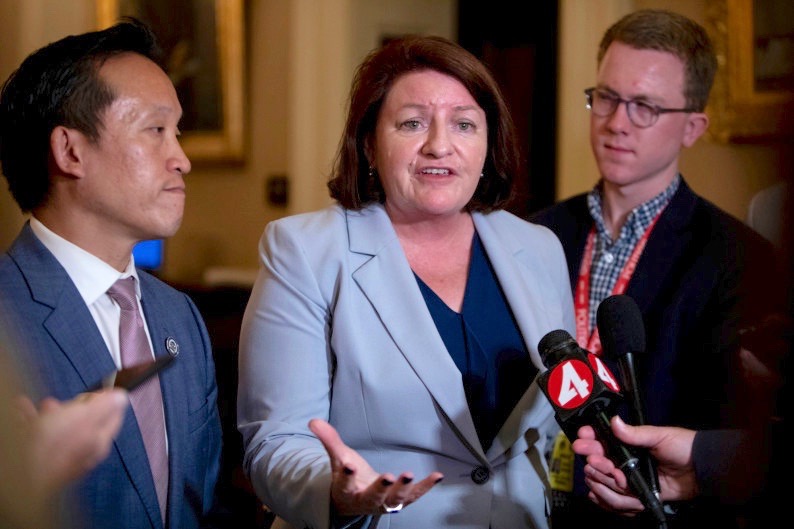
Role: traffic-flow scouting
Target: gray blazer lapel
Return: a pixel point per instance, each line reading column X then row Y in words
column 69, row 324
column 512, row 264
column 382, row 276
column 79, row 339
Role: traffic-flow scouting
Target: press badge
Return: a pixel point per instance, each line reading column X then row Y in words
column 561, row 464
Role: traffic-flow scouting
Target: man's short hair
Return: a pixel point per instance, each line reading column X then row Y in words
column 56, row 85
column 657, row 29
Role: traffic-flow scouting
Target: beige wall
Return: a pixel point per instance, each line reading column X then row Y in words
column 10, row 219
column 301, row 55
column 225, row 209
column 26, row 25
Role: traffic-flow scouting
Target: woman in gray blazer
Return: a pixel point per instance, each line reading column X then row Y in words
column 388, row 352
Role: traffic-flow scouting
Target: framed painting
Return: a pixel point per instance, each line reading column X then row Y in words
column 203, row 43
column 753, row 95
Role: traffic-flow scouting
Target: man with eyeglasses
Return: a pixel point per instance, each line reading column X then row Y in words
column 696, row 273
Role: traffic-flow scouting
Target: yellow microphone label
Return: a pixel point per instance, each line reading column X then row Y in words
column 561, row 464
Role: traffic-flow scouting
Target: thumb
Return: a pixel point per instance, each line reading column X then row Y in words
column 645, row 436
column 327, row 435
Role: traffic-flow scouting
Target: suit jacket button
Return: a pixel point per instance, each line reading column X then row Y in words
column 480, row 475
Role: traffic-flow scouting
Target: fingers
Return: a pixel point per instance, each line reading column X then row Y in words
column 74, row 436
column 327, row 435
column 382, row 493
column 335, row 447
column 406, row 492
column 603, row 470
column 109, row 408
column 27, row 410
column 586, row 443
column 608, row 500
column 609, row 486
column 398, row 492
column 402, row 492
column 587, row 447
column 350, row 471
column 356, row 488
column 378, row 496
column 338, row 451
column 586, row 432
column 48, row 405
column 386, row 492
column 422, row 487
column 609, row 491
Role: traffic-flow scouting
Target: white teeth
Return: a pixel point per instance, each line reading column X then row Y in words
column 436, row 171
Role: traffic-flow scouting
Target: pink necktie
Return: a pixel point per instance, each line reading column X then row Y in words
column 146, row 399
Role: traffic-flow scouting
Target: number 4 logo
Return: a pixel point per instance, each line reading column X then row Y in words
column 570, row 384
column 603, row 372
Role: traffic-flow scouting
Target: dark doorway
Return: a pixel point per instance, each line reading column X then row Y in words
column 518, row 42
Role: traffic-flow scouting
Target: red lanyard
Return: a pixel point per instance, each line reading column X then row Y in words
column 587, row 340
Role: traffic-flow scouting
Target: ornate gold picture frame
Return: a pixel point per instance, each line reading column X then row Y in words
column 742, row 108
column 204, row 49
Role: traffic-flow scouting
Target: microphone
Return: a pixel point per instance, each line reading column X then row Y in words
column 582, row 390
column 622, row 333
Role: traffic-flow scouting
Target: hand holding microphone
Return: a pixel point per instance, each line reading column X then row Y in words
column 672, row 450
column 622, row 333
column 583, row 391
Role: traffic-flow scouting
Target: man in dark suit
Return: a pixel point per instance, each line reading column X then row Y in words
column 697, row 274
column 89, row 146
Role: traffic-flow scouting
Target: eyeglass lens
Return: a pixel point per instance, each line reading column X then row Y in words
column 604, row 104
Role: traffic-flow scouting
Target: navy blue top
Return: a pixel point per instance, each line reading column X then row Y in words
column 486, row 345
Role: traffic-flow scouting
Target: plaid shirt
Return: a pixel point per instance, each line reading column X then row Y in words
column 609, row 257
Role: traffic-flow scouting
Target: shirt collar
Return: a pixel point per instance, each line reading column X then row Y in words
column 640, row 217
column 91, row 275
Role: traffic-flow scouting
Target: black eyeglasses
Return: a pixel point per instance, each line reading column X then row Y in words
column 642, row 114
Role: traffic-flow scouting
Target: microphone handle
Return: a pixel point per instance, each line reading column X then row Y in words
column 631, row 388
column 629, row 464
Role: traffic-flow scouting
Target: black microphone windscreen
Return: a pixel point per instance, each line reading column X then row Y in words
column 552, row 344
column 620, row 326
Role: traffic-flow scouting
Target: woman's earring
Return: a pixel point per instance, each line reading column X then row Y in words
column 371, row 171
column 482, row 175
